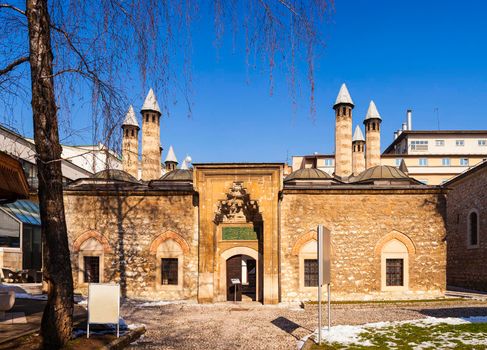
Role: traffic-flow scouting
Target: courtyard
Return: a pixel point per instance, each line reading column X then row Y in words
column 255, row 326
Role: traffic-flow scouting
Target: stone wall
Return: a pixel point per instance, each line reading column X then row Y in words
column 466, row 265
column 361, row 222
column 129, row 223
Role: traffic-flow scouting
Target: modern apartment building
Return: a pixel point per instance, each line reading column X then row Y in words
column 431, row 156
column 435, row 156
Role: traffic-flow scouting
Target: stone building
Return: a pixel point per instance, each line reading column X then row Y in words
column 191, row 233
column 467, row 233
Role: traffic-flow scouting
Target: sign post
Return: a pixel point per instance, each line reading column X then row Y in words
column 323, row 273
column 235, row 282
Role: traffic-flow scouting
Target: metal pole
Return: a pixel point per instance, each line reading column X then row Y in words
column 319, row 314
column 320, row 279
column 329, row 308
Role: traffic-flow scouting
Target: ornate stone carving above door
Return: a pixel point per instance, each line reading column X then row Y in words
column 237, row 207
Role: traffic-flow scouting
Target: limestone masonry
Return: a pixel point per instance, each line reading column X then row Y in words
column 245, row 231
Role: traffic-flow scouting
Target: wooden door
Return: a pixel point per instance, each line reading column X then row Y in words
column 234, row 270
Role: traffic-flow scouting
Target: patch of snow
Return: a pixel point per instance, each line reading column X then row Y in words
column 159, row 303
column 346, row 334
column 343, row 335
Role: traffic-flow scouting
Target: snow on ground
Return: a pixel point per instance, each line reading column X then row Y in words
column 159, row 303
column 348, row 335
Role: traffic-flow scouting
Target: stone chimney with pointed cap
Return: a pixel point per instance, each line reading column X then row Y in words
column 372, row 136
column 151, row 138
column 343, row 133
column 171, row 161
column 130, row 144
column 358, row 151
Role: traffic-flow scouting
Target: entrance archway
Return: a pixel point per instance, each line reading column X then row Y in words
column 241, row 268
column 245, row 264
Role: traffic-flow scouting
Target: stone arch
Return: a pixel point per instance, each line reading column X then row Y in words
column 401, row 237
column 304, row 238
column 91, row 235
column 169, row 235
column 222, row 277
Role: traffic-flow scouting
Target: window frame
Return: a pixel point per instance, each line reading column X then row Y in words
column 446, row 162
column 307, row 254
column 482, row 143
column 316, row 272
column 164, row 252
column 85, row 273
column 330, row 161
column 460, row 143
column 467, row 162
column 394, row 255
column 440, row 143
column 171, row 270
column 81, row 263
column 469, row 244
column 401, row 273
column 425, row 161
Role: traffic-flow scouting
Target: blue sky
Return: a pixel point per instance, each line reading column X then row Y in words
column 423, row 55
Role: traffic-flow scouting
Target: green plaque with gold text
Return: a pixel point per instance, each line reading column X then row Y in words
column 239, row 233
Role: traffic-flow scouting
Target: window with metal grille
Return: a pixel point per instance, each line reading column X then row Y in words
column 91, row 272
column 310, row 272
column 169, row 271
column 394, row 272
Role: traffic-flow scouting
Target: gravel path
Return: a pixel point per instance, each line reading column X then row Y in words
column 253, row 326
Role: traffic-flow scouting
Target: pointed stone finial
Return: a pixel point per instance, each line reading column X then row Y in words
column 343, row 96
column 150, row 103
column 171, row 157
column 358, row 135
column 130, row 118
column 372, row 112
column 403, row 167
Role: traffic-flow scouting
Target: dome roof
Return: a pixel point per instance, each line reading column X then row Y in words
column 307, row 174
column 382, row 172
column 114, row 174
column 178, row 175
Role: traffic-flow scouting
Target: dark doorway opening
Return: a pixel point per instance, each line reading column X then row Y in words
column 243, row 268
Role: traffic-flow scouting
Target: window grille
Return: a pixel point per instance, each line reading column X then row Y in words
column 169, row 271
column 394, row 272
column 311, row 272
column 91, row 272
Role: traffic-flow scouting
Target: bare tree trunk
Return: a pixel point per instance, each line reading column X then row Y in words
column 56, row 327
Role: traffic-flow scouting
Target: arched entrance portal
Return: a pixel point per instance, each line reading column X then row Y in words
column 244, row 269
column 240, row 261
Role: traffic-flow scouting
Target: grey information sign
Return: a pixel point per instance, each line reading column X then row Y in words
column 324, row 248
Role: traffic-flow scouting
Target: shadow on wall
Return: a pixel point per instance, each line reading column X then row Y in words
column 122, row 211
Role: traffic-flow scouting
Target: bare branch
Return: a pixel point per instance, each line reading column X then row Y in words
column 14, row 64
column 8, row 6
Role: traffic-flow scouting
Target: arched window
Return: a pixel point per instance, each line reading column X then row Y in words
column 169, row 257
column 90, row 260
column 308, row 265
column 473, row 228
column 394, row 266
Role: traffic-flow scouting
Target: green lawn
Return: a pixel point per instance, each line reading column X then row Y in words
column 411, row 335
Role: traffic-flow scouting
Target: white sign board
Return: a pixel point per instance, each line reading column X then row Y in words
column 235, row 280
column 103, row 304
